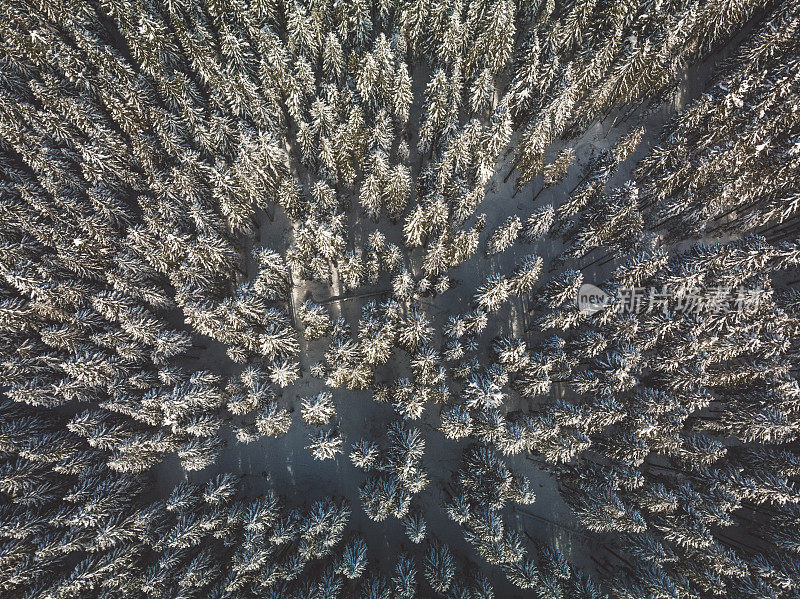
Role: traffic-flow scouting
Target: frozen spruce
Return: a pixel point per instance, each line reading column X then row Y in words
column 318, row 409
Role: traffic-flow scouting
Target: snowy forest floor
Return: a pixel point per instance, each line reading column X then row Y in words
column 284, row 465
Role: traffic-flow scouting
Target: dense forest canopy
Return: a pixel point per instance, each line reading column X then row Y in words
column 353, row 237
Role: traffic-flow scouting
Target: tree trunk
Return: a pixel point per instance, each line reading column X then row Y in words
column 625, row 116
column 341, row 298
column 582, row 181
column 270, row 213
column 510, row 172
column 617, row 555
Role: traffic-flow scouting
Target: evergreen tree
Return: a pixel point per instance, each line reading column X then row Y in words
column 504, row 236
column 319, row 409
column 325, row 444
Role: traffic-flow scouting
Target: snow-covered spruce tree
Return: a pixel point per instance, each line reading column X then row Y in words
column 273, row 420
column 554, row 172
column 319, row 409
column 493, row 293
column 405, row 577
column 315, row 319
column 396, row 473
column 504, row 236
column 538, row 224
column 325, row 444
column 440, row 568
column 415, row 527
